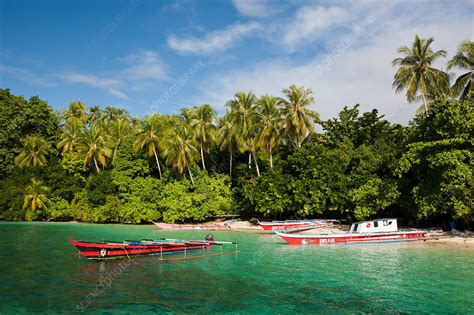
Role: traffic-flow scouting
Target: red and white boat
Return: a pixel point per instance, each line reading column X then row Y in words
column 294, row 224
column 374, row 231
column 113, row 249
column 187, row 227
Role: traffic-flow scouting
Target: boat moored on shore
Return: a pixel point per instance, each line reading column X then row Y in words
column 187, row 227
column 373, row 231
column 295, row 224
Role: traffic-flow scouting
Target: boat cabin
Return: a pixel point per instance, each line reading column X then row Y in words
column 378, row 225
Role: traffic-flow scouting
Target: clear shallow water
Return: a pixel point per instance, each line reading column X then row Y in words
column 40, row 271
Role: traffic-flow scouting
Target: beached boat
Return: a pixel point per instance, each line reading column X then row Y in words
column 374, row 231
column 112, row 249
column 294, row 224
column 210, row 227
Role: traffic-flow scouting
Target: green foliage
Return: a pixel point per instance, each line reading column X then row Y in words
column 18, row 119
column 181, row 202
column 439, row 159
column 373, row 196
column 110, row 168
column 99, row 186
column 59, row 210
column 81, row 206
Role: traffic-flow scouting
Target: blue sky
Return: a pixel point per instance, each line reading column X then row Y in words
column 161, row 56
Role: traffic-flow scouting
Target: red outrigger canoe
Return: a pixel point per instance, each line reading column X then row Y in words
column 294, row 224
column 376, row 231
column 112, row 249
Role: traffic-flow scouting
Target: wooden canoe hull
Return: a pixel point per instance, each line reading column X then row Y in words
column 351, row 238
column 105, row 250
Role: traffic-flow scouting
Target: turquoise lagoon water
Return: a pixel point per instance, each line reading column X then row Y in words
column 40, row 271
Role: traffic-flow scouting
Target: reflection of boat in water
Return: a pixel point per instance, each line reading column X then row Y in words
column 112, row 249
column 295, row 224
column 374, row 231
column 213, row 227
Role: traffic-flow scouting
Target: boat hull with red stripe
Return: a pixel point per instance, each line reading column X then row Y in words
column 351, row 238
column 285, row 225
column 104, row 250
column 187, row 227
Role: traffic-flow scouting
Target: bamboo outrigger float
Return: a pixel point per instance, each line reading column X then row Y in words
column 163, row 246
column 374, row 231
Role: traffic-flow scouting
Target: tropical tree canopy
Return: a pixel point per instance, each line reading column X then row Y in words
column 201, row 120
column 148, row 138
column 298, row 119
column 94, row 148
column 464, row 60
column 35, row 196
column 416, row 75
column 34, row 152
column 261, row 158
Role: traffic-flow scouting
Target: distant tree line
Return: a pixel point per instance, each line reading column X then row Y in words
column 261, row 158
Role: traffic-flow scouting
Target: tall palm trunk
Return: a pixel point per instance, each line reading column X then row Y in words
column 157, row 161
column 230, row 168
column 202, row 156
column 96, row 166
column 190, row 175
column 271, row 157
column 256, row 165
column 298, row 144
column 115, row 151
column 424, row 102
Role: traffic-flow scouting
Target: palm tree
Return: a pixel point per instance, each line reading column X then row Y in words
column 36, row 196
column 34, row 152
column 228, row 138
column 111, row 114
column 148, row 136
column 180, row 150
column 464, row 59
column 93, row 145
column 94, row 114
column 201, row 120
column 118, row 130
column 75, row 112
column 243, row 115
column 298, row 119
column 70, row 135
column 415, row 73
column 270, row 115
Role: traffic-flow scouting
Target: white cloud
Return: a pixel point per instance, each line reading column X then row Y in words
column 362, row 73
column 310, row 22
column 118, row 93
column 108, row 85
column 253, row 8
column 25, row 76
column 215, row 41
column 91, row 80
column 144, row 65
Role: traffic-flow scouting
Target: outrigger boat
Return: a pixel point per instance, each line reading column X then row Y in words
column 295, row 224
column 374, row 231
column 112, row 249
column 209, row 227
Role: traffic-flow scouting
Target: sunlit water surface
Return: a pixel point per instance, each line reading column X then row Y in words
column 40, row 271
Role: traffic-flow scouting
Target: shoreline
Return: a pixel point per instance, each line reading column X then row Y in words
column 434, row 237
